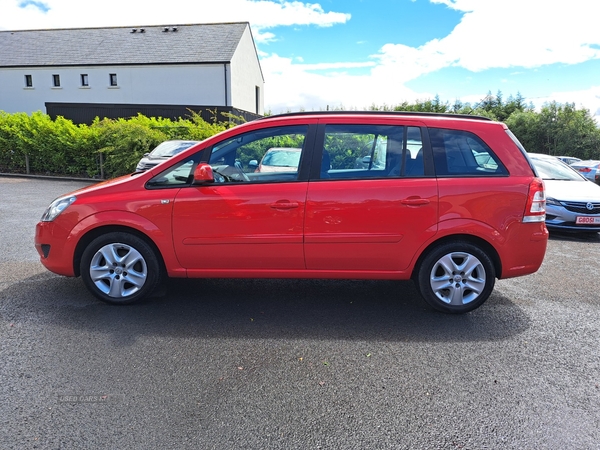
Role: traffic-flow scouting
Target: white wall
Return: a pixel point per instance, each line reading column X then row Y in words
column 246, row 76
column 157, row 84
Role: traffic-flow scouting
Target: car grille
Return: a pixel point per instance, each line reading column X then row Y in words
column 580, row 207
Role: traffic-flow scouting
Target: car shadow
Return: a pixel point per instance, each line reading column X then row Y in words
column 262, row 309
column 574, row 236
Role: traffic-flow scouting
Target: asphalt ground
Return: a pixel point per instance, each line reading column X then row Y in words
column 293, row 364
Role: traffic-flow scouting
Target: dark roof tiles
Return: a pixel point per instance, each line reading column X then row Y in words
column 201, row 43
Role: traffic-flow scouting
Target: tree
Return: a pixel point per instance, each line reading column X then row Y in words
column 558, row 129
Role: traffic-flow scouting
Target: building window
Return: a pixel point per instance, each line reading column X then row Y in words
column 56, row 80
column 28, row 81
column 84, row 79
column 113, row 79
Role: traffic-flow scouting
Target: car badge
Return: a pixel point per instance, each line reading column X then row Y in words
column 589, row 206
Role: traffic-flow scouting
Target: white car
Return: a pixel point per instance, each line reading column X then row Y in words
column 278, row 159
column 572, row 201
column 162, row 152
column 569, row 159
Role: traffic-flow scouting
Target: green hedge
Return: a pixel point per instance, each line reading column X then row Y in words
column 36, row 144
column 108, row 148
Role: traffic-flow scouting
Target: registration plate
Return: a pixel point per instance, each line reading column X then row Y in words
column 588, row 220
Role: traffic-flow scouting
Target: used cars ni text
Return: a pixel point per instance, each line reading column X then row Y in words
column 454, row 204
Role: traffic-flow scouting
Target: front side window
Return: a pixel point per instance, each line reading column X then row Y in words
column 56, row 80
column 176, row 176
column 272, row 154
column 461, row 153
column 371, row 151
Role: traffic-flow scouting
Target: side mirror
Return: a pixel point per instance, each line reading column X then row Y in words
column 203, row 174
column 253, row 164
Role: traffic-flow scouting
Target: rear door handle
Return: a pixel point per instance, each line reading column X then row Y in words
column 415, row 201
column 284, row 204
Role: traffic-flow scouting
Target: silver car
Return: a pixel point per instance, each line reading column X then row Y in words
column 572, row 201
column 569, row 159
column 589, row 169
column 162, row 152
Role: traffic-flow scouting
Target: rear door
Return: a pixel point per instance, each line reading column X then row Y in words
column 372, row 201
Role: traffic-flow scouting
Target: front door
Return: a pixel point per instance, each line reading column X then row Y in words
column 252, row 216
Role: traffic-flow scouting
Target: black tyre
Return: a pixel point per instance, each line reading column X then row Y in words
column 120, row 268
column 456, row 277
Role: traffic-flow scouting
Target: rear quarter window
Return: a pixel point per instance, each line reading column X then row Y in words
column 462, row 153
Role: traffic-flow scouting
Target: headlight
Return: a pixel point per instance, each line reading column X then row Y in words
column 56, row 207
column 553, row 202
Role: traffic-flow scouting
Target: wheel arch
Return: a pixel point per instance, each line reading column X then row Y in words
column 99, row 231
column 475, row 240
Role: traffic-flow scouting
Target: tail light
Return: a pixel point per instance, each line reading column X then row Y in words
column 585, row 170
column 535, row 210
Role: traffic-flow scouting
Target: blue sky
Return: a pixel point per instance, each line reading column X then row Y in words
column 355, row 53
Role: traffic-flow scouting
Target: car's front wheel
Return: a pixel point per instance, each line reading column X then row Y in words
column 456, row 277
column 120, row 268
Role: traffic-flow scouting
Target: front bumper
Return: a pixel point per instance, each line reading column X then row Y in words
column 54, row 247
column 564, row 217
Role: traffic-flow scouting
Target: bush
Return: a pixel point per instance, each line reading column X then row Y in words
column 108, row 148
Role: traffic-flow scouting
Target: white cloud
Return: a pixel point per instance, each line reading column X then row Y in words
column 519, row 34
column 292, row 86
column 588, row 98
column 262, row 14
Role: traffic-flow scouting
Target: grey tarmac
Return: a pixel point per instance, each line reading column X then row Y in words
column 293, row 364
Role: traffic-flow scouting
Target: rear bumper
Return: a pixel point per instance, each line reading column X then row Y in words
column 524, row 250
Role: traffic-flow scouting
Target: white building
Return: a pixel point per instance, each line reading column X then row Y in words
column 120, row 71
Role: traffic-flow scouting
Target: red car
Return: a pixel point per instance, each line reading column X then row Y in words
column 430, row 211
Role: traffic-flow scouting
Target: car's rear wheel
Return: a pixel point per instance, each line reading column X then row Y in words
column 456, row 277
column 120, row 268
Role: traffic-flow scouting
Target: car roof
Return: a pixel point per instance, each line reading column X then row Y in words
column 378, row 113
column 587, row 161
column 543, row 156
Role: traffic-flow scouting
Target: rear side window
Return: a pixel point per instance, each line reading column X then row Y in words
column 371, row 151
column 461, row 153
